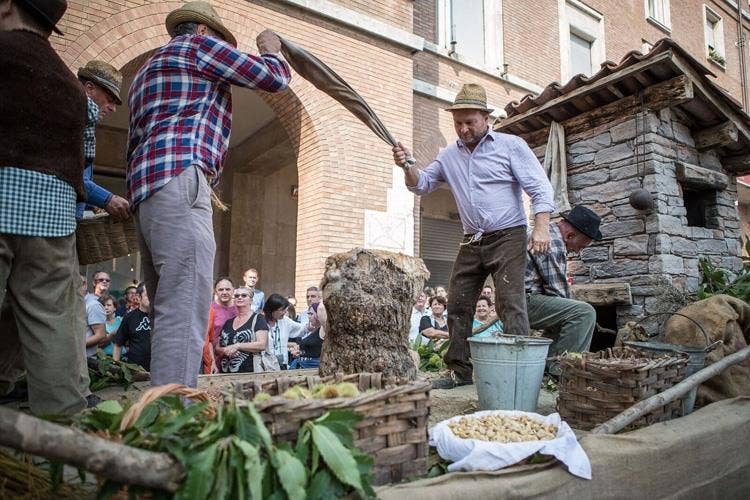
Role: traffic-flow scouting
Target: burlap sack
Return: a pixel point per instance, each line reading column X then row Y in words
column 723, row 318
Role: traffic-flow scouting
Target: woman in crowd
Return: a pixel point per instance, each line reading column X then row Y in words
column 222, row 309
column 280, row 328
column 485, row 323
column 307, row 352
column 435, row 326
column 112, row 323
column 243, row 337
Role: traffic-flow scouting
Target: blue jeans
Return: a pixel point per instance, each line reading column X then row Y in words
column 307, row 363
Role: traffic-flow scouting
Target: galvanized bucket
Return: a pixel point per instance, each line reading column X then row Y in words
column 697, row 355
column 508, row 371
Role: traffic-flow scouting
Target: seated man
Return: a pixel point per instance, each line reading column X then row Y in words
column 570, row 323
column 485, row 323
column 135, row 333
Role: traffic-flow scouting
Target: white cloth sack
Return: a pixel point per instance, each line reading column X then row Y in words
column 474, row 455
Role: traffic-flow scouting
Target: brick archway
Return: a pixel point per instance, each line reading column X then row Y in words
column 126, row 36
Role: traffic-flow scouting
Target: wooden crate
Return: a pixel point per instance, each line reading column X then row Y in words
column 393, row 430
column 598, row 386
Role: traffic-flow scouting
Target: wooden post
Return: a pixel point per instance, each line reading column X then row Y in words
column 115, row 461
column 368, row 295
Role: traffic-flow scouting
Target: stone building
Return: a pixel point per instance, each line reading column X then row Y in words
column 656, row 121
column 304, row 178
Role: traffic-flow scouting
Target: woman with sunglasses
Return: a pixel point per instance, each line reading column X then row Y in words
column 243, row 337
column 280, row 327
column 222, row 309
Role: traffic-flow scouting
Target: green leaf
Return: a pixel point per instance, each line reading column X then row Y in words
column 337, row 457
column 222, row 474
column 111, row 406
column 147, row 417
column 108, row 489
column 186, row 416
column 302, row 447
column 291, row 473
column 254, row 468
column 56, row 474
column 341, row 423
column 200, row 472
column 322, row 486
column 263, row 434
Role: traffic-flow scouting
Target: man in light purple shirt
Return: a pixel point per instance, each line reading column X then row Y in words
column 487, row 172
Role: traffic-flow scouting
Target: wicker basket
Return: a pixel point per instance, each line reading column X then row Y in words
column 100, row 238
column 598, row 386
column 393, row 430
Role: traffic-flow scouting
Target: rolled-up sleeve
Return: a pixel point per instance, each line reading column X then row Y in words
column 429, row 179
column 530, row 175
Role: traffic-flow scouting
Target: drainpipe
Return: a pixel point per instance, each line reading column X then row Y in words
column 741, row 47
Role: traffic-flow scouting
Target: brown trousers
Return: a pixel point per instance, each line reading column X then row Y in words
column 501, row 254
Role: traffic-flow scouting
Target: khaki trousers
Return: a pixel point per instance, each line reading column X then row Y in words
column 39, row 279
column 177, row 253
column 501, row 254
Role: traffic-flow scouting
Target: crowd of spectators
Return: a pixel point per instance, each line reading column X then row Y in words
column 247, row 331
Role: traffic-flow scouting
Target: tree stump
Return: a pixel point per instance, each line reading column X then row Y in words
column 369, row 295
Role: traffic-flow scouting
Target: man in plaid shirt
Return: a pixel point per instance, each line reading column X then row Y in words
column 569, row 322
column 181, row 118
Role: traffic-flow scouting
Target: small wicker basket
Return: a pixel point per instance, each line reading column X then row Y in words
column 598, row 386
column 393, row 430
column 101, row 238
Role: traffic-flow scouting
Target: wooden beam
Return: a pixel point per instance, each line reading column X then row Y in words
column 721, row 135
column 614, row 91
column 603, row 294
column 713, row 96
column 701, row 178
column 587, row 90
column 670, row 93
column 738, row 165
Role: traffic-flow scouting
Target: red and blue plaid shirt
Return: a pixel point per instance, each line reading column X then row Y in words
column 181, row 108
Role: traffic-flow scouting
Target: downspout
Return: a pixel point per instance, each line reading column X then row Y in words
column 741, row 47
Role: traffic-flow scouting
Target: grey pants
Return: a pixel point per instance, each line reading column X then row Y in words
column 570, row 323
column 39, row 279
column 177, row 253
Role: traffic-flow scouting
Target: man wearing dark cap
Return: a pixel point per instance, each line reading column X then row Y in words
column 41, row 176
column 101, row 82
column 180, row 121
column 570, row 323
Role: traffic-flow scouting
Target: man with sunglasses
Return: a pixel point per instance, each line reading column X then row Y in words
column 102, row 281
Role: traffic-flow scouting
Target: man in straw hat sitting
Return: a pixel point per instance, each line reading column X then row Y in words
column 570, row 323
column 101, row 82
column 180, row 119
column 41, row 176
column 486, row 171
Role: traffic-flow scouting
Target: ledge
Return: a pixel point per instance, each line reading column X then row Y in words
column 702, row 178
column 603, row 294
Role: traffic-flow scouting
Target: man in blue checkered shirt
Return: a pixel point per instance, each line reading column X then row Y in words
column 570, row 323
column 41, row 176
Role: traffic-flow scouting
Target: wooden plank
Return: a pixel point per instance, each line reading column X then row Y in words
column 586, row 90
column 614, row 91
column 738, row 165
column 603, row 294
column 721, row 135
column 662, row 95
column 699, row 177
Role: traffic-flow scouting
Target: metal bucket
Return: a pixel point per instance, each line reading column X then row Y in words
column 508, row 371
column 696, row 362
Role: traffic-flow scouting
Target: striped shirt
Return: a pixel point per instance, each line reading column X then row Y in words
column 36, row 204
column 181, row 108
column 547, row 274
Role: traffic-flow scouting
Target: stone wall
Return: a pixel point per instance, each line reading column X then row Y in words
column 650, row 249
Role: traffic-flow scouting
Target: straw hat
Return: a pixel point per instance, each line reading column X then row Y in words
column 202, row 13
column 105, row 75
column 471, row 96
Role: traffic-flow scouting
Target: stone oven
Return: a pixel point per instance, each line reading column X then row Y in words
column 658, row 121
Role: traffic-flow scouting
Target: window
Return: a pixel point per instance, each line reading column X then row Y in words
column 701, row 208
column 581, row 39
column 471, row 30
column 714, row 35
column 657, row 11
column 580, row 55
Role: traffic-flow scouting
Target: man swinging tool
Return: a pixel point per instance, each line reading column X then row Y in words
column 486, row 171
